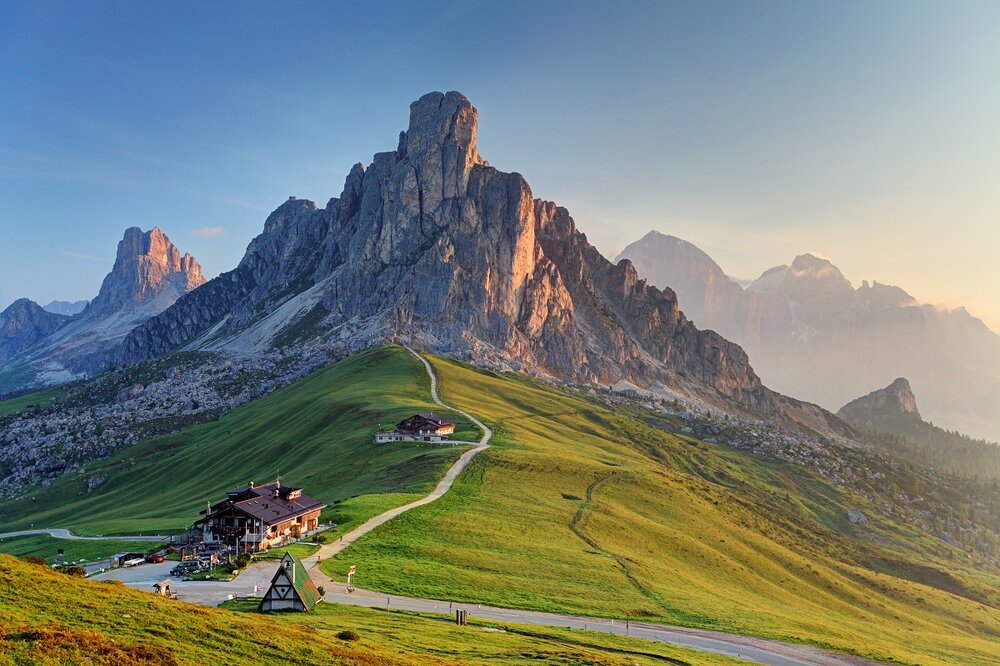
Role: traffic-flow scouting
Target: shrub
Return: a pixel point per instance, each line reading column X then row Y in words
column 76, row 572
column 348, row 635
column 242, row 561
column 32, row 559
column 321, row 538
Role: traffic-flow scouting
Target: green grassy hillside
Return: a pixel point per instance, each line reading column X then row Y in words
column 579, row 509
column 37, row 399
column 316, row 432
column 575, row 508
column 50, row 618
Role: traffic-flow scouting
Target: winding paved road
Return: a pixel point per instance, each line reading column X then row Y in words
column 66, row 534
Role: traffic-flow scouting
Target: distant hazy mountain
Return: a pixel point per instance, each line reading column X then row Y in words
column 148, row 276
column 891, row 416
column 68, row 308
column 811, row 334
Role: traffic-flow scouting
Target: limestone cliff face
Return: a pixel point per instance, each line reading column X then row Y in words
column 148, row 268
column 23, row 324
column 431, row 244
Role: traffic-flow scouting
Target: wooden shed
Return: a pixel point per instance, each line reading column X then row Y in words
column 291, row 588
column 163, row 587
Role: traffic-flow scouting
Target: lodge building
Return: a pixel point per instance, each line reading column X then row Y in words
column 256, row 518
column 426, row 427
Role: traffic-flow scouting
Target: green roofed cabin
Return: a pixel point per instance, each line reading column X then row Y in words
column 291, row 588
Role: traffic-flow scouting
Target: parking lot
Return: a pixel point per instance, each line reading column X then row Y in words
column 142, row 577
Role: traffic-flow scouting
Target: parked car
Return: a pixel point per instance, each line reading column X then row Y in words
column 185, row 568
column 154, row 558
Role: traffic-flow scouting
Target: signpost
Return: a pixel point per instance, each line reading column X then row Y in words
column 350, row 575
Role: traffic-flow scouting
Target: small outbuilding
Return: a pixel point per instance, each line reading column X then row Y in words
column 291, row 588
column 162, row 587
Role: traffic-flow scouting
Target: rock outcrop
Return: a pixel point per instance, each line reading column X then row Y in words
column 889, row 418
column 23, row 324
column 433, row 245
column 896, row 399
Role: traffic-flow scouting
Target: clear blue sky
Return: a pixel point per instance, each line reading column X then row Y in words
column 866, row 131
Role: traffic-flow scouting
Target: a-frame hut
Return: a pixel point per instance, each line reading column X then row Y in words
column 291, row 588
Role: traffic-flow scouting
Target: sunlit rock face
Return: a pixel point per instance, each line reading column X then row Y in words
column 148, row 268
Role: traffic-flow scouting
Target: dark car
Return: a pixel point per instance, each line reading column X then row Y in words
column 185, row 568
column 154, row 558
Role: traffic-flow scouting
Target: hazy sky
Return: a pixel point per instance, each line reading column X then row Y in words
column 868, row 132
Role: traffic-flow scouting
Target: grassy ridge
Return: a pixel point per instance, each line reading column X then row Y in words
column 316, row 432
column 55, row 619
column 579, row 509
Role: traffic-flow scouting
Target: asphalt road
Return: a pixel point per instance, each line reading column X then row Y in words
column 66, row 534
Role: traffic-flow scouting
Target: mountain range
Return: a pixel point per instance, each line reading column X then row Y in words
column 810, row 333
column 39, row 347
column 432, row 245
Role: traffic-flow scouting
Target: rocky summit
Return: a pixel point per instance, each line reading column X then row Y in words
column 897, row 399
column 148, row 269
column 431, row 244
column 40, row 348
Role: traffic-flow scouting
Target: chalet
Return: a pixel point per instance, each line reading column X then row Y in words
column 256, row 518
column 427, row 427
column 291, row 588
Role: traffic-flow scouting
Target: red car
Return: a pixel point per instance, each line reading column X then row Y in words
column 154, row 559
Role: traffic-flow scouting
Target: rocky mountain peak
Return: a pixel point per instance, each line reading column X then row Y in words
column 895, row 399
column 430, row 244
column 148, row 269
column 440, row 144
